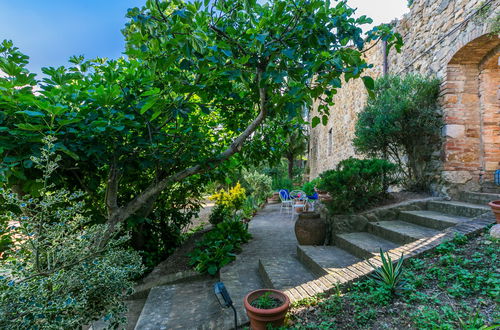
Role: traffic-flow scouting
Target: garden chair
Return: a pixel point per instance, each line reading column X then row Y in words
column 312, row 200
column 299, row 199
column 286, row 201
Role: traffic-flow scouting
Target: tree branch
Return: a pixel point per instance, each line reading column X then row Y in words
column 155, row 188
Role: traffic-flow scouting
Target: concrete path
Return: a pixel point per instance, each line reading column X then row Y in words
column 194, row 306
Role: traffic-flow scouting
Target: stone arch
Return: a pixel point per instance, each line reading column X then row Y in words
column 471, row 111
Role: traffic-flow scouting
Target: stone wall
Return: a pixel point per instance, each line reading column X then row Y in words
column 438, row 37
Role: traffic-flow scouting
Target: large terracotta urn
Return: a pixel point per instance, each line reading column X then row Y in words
column 310, row 229
column 495, row 207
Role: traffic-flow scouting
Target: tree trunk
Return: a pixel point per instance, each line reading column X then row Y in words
column 118, row 214
column 290, row 166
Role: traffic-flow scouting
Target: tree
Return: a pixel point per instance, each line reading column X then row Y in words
column 401, row 124
column 199, row 81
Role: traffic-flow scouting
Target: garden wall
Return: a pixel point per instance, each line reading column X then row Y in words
column 451, row 40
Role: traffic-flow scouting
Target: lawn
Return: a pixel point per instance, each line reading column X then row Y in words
column 455, row 286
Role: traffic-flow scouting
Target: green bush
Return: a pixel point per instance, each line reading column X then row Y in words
column 357, row 183
column 219, row 246
column 308, row 187
column 258, row 185
column 402, row 124
column 60, row 274
column 219, row 214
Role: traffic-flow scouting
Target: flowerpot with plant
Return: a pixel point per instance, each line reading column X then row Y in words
column 495, row 207
column 266, row 307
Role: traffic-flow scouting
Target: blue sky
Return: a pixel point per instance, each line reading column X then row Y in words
column 50, row 31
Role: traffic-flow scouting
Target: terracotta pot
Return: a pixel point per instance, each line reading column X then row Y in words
column 495, row 207
column 310, row 229
column 275, row 198
column 261, row 318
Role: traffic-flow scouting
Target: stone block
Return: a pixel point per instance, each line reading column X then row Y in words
column 459, row 177
column 454, row 131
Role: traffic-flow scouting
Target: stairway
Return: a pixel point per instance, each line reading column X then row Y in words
column 410, row 234
column 274, row 260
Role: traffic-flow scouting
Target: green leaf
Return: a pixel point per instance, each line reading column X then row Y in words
column 315, row 121
column 32, row 113
column 369, row 83
column 149, row 103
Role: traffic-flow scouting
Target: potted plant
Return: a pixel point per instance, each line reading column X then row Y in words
column 495, row 208
column 266, row 307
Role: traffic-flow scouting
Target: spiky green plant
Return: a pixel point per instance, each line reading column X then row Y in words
column 389, row 274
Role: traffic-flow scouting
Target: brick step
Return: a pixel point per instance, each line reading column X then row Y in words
column 362, row 244
column 478, row 198
column 400, row 231
column 461, row 209
column 432, row 219
column 322, row 260
column 283, row 273
column 291, row 276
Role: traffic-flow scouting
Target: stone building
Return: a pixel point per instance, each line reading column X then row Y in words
column 452, row 40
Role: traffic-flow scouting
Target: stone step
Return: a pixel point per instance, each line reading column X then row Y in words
column 490, row 187
column 432, row 219
column 292, row 277
column 478, row 198
column 283, row 273
column 363, row 245
column 461, row 209
column 180, row 306
column 400, row 231
column 322, row 260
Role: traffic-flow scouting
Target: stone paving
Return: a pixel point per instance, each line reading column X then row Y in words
column 194, row 306
column 272, row 259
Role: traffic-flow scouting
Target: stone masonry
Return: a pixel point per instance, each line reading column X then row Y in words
column 451, row 40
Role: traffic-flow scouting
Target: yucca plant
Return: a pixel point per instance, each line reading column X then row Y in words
column 389, row 275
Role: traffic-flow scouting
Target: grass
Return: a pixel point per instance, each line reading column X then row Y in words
column 456, row 286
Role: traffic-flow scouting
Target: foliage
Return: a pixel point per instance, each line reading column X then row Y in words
column 403, row 108
column 356, row 183
column 220, row 213
column 143, row 135
column 258, row 185
column 218, row 246
column 389, row 275
column 453, row 287
column 231, row 199
column 484, row 15
column 266, row 301
column 59, row 272
column 308, row 187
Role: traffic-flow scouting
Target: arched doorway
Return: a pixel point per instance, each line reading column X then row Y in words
column 471, row 111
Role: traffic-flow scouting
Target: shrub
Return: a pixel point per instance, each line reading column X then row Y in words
column 357, row 183
column 232, row 199
column 218, row 247
column 59, row 275
column 308, row 187
column 219, row 214
column 403, row 108
column 258, row 185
